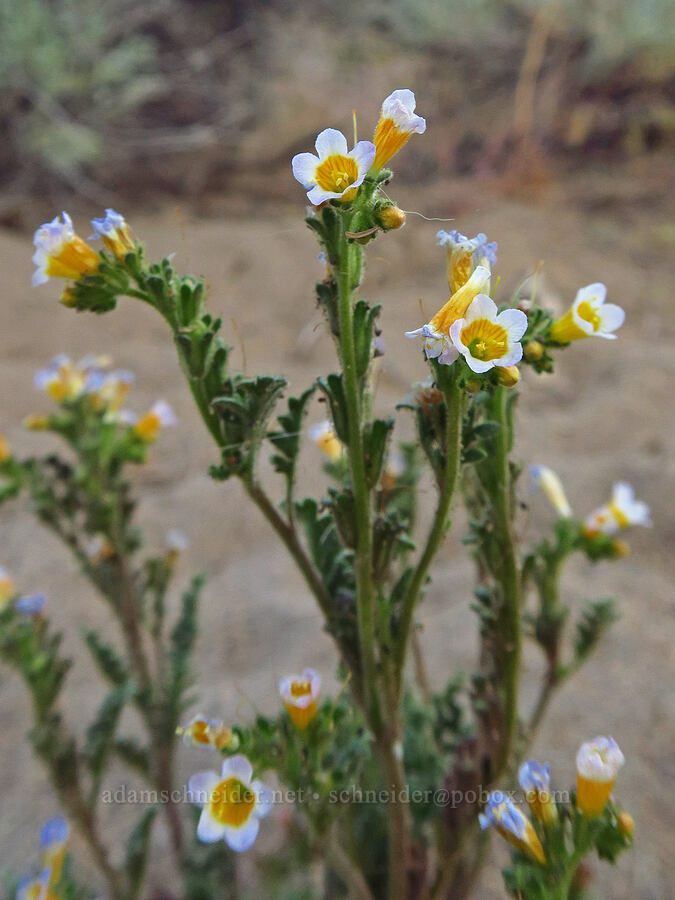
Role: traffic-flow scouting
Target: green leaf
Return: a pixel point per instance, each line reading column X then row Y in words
column 182, row 642
column 101, row 732
column 105, row 656
column 375, row 438
column 333, row 388
column 287, row 439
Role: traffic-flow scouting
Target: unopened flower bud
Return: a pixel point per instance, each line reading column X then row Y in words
column 68, row 298
column 508, row 375
column 626, row 824
column 533, row 351
column 390, row 217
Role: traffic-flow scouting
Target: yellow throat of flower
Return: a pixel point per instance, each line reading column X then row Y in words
column 592, row 796
column 336, row 173
column 232, row 803
column 485, row 339
column 300, row 688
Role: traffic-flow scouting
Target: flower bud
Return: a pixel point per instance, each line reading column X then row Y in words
column 508, row 375
column 533, row 351
column 598, row 762
column 68, row 298
column 620, row 548
column 626, row 824
column 390, row 217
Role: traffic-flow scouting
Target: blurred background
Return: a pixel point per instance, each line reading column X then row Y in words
column 550, row 127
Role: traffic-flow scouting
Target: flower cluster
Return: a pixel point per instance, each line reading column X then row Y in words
column 598, row 762
column 336, row 172
column 621, row 512
column 103, row 390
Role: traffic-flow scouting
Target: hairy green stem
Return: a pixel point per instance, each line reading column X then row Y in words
column 508, row 574
column 453, row 433
column 365, row 607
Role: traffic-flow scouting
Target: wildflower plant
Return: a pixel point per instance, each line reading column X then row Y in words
column 359, row 552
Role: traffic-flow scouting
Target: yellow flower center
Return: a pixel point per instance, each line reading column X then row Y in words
column 300, row 689
column 232, row 802
column 586, row 312
column 336, row 173
column 199, row 732
column 485, row 339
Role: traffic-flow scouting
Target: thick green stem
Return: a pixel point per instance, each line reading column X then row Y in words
column 508, row 573
column 365, row 606
column 387, row 736
column 453, row 433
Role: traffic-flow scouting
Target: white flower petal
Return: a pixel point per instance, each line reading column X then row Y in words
column 480, row 366
column 593, row 293
column 363, row 155
column 331, row 142
column 209, row 830
column 317, row 196
column 456, row 334
column 515, row 323
column 304, row 168
column 482, row 307
column 201, row 786
column 449, row 355
column 414, row 334
column 513, row 356
column 238, row 767
column 264, row 798
column 240, row 839
column 612, row 317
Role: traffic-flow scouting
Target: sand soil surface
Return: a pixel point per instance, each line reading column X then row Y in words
column 605, row 415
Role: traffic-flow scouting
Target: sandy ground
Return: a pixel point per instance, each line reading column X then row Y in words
column 603, row 416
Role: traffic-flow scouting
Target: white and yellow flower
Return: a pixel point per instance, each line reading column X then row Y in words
column 115, row 233
column 502, row 814
column 62, row 380
column 488, row 338
column 323, row 435
column 232, row 804
column 436, row 333
column 34, row 887
column 396, row 124
column 622, row 511
column 300, row 696
column 589, row 316
column 53, row 840
column 201, row 731
column 549, row 482
column 598, row 763
column 465, row 254
column 336, row 172
column 60, row 253
column 159, row 416
column 535, row 782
